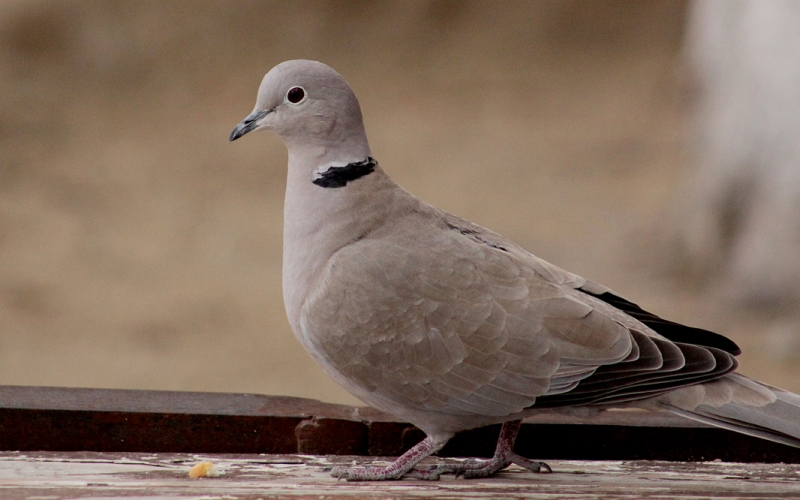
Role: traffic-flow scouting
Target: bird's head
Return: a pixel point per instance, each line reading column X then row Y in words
column 308, row 105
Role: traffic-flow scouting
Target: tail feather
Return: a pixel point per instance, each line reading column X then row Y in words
column 740, row 426
column 740, row 404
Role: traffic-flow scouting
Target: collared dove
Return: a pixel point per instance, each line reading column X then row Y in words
column 450, row 326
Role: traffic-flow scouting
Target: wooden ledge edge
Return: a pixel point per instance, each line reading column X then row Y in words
column 79, row 419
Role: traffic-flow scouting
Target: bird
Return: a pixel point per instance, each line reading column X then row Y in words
column 450, row 326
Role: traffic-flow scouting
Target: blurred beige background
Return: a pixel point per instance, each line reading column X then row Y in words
column 138, row 249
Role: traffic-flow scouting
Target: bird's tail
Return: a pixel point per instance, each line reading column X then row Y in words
column 740, row 404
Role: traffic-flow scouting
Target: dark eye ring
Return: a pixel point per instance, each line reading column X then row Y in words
column 295, row 95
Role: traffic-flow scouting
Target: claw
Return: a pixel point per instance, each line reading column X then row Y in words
column 530, row 464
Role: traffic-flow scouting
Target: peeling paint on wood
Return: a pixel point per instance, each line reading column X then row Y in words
column 164, row 475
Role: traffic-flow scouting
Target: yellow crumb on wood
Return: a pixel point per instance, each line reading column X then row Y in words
column 203, row 469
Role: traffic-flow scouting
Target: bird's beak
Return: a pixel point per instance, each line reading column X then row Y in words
column 248, row 124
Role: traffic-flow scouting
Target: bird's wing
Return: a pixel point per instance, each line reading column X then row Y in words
column 670, row 355
column 454, row 324
column 459, row 321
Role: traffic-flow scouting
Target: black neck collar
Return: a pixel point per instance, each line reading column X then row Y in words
column 336, row 177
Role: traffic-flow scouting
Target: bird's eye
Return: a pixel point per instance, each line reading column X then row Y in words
column 295, row 95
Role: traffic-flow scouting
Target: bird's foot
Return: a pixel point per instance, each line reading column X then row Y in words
column 473, row 468
column 366, row 473
column 396, row 470
column 498, row 463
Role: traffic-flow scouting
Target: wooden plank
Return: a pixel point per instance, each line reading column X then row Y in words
column 68, row 419
column 46, row 475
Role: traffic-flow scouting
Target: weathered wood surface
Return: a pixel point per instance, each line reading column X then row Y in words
column 49, row 475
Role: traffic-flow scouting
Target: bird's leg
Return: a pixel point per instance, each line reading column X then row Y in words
column 396, row 469
column 503, row 457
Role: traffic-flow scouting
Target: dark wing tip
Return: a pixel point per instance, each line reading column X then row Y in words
column 669, row 329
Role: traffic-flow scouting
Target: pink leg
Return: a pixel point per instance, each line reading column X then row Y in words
column 503, row 457
column 396, row 469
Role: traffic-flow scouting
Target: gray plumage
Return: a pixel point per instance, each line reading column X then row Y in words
column 450, row 326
